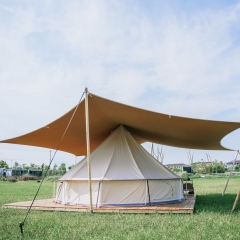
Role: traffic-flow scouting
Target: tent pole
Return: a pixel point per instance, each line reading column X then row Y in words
column 230, row 173
column 236, row 200
column 99, row 184
column 149, row 199
column 88, row 150
column 152, row 149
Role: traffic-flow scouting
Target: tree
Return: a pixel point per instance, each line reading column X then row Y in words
column 160, row 153
column 45, row 167
column 55, row 167
column 32, row 165
column 190, row 156
column 214, row 167
column 25, row 166
column 195, row 167
column 237, row 168
column 202, row 168
column 62, row 167
column 16, row 164
column 70, row 167
column 3, row 164
column 175, row 169
column 217, row 167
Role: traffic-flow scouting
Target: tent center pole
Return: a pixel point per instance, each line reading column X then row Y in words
column 236, row 200
column 88, row 151
column 230, row 172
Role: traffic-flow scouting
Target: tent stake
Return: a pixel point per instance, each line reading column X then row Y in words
column 21, row 224
column 88, row 150
column 230, row 173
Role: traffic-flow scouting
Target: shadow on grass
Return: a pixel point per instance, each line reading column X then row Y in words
column 216, row 203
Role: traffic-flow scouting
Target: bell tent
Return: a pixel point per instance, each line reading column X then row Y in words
column 123, row 173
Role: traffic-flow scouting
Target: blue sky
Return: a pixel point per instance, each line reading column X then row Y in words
column 176, row 57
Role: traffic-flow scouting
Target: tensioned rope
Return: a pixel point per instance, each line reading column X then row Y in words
column 21, row 224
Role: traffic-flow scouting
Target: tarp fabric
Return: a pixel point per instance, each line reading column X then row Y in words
column 106, row 115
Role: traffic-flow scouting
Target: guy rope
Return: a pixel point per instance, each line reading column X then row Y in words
column 21, row 224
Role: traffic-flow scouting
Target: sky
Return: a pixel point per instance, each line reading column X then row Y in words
column 175, row 57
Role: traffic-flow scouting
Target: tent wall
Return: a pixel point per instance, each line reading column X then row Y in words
column 123, row 192
column 120, row 192
column 165, row 191
column 76, row 192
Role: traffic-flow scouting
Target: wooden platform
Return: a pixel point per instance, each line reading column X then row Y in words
column 186, row 206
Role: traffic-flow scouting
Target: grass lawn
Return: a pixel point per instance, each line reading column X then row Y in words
column 212, row 219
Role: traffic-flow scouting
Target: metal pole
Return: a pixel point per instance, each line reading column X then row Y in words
column 75, row 160
column 230, row 173
column 88, row 150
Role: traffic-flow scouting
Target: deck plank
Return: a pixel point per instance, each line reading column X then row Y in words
column 186, row 206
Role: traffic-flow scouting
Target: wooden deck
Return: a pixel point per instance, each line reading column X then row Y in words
column 186, row 206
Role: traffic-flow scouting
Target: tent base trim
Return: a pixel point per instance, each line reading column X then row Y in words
column 143, row 204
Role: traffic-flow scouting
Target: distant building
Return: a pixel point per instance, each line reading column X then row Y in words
column 229, row 164
column 2, row 171
column 181, row 166
column 207, row 163
column 8, row 172
column 19, row 172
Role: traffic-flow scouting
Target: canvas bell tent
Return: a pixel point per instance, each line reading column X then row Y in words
column 123, row 173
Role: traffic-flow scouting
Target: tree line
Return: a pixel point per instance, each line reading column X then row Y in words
column 213, row 167
column 43, row 167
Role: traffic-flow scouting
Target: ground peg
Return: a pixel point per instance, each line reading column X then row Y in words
column 21, row 227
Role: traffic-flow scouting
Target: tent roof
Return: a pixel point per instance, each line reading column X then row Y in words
column 106, row 115
column 120, row 157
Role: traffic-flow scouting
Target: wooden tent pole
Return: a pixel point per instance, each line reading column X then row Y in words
column 230, row 173
column 152, row 149
column 88, row 150
column 236, row 200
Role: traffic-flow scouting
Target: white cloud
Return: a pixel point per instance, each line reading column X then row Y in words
column 181, row 63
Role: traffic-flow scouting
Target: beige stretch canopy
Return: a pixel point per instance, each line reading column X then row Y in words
column 106, row 115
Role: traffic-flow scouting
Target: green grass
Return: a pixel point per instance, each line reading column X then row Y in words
column 212, row 219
